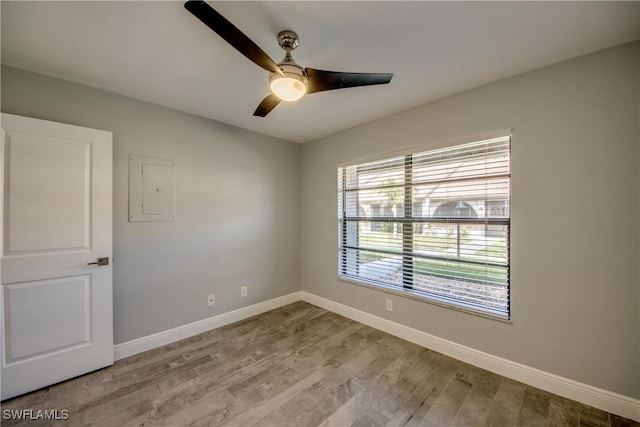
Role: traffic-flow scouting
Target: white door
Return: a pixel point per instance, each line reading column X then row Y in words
column 57, row 318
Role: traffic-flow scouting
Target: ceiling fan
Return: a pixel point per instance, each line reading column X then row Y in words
column 288, row 80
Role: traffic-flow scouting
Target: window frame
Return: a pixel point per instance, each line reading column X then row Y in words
column 408, row 220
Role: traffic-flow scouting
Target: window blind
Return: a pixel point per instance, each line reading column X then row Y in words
column 434, row 224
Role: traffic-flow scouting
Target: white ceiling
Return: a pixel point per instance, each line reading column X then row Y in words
column 160, row 53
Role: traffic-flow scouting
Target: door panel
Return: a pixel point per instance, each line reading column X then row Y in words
column 57, row 315
column 48, row 194
column 46, row 316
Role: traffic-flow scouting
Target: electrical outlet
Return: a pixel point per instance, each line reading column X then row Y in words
column 243, row 291
column 211, row 299
column 389, row 305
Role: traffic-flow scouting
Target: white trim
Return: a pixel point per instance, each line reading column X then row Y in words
column 139, row 345
column 603, row 399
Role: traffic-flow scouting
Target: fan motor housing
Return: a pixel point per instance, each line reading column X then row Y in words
column 288, row 40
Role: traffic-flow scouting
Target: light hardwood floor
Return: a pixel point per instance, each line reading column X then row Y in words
column 300, row 365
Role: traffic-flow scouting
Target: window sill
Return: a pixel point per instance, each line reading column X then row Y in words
column 408, row 293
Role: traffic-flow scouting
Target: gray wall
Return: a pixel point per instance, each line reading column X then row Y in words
column 575, row 216
column 237, row 206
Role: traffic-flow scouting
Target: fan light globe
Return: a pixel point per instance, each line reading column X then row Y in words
column 291, row 87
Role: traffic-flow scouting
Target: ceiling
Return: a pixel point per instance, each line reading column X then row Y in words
column 160, row 53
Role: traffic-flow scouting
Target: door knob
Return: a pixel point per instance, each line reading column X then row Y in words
column 101, row 261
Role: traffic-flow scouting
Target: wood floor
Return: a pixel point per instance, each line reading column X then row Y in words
column 300, row 365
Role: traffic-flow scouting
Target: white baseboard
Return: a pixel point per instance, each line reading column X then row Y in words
column 606, row 400
column 140, row 345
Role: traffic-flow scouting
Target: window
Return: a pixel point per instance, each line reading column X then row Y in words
column 432, row 225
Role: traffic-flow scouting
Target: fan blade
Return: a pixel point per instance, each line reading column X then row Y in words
column 267, row 104
column 231, row 34
column 320, row 80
